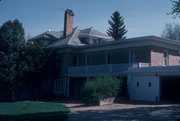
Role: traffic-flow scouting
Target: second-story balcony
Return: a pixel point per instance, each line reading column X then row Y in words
column 107, row 69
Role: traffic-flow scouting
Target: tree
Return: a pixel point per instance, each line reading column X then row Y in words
column 11, row 64
column 176, row 8
column 41, row 68
column 117, row 28
column 171, row 31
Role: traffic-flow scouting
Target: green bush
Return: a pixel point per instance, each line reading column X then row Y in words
column 100, row 88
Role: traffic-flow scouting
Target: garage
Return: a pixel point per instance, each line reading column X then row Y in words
column 170, row 88
column 144, row 87
column 160, row 83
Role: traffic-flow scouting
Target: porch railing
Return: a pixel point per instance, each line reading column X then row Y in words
column 102, row 69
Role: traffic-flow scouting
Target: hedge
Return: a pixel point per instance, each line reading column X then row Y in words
column 100, row 88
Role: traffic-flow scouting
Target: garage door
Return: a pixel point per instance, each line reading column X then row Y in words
column 170, row 88
column 145, row 88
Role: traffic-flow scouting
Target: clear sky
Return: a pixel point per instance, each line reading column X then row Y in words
column 141, row 17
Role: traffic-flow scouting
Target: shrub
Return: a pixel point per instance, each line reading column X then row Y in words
column 100, row 88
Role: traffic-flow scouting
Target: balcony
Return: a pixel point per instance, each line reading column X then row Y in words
column 93, row 70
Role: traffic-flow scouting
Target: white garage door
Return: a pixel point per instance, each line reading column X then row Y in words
column 144, row 87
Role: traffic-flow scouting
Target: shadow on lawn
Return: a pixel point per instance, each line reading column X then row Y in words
column 171, row 113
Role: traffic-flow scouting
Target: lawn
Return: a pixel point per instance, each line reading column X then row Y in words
column 32, row 111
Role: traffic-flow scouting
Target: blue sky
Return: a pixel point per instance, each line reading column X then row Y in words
column 141, row 17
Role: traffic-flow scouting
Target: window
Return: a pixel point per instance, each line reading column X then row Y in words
column 165, row 59
column 131, row 57
column 75, row 60
column 87, row 60
column 149, row 84
column 137, row 84
column 108, row 58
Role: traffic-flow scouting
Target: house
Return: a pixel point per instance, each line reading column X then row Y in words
column 150, row 65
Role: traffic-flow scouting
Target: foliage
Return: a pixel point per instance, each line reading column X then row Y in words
column 21, row 64
column 29, row 110
column 37, row 61
column 100, row 88
column 117, row 28
column 176, row 8
column 11, row 48
column 171, row 31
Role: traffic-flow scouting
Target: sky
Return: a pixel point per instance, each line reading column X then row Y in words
column 141, row 17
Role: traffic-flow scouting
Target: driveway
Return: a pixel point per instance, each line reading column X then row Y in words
column 124, row 112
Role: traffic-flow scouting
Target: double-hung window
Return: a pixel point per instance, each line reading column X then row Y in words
column 165, row 58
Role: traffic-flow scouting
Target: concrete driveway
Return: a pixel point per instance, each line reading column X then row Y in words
column 124, row 112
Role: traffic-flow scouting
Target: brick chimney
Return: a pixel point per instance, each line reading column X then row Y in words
column 68, row 22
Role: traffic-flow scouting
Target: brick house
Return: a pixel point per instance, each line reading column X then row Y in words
column 149, row 65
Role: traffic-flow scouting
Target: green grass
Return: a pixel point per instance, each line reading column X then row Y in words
column 29, row 110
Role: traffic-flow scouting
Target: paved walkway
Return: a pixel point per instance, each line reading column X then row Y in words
column 124, row 112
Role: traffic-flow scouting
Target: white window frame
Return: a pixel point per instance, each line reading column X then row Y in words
column 165, row 58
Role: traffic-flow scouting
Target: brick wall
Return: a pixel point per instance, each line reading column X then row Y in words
column 174, row 57
column 157, row 56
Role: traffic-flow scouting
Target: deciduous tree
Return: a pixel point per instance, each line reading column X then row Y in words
column 171, row 31
column 11, row 64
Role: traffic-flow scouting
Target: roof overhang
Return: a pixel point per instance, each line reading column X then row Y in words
column 158, row 70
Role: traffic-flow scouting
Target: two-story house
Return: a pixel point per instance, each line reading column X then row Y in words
column 149, row 65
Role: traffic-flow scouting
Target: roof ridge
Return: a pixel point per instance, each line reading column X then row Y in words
column 73, row 35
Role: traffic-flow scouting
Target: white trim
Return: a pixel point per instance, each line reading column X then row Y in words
column 158, row 70
column 165, row 59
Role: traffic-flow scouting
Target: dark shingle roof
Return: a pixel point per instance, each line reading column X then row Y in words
column 57, row 38
column 50, row 35
column 72, row 39
column 91, row 32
